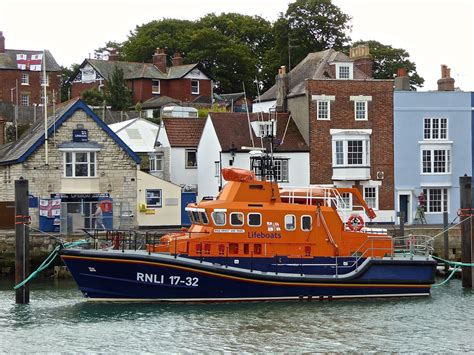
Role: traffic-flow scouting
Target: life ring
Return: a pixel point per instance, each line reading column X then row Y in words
column 355, row 222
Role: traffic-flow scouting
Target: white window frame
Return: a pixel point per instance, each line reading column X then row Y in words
column 237, row 213
column 24, row 99
column 217, row 168
column 374, row 206
column 155, row 89
column 431, row 150
column 365, row 154
column 25, row 79
column 348, row 65
column 428, row 191
column 153, row 160
column 346, row 197
column 293, row 217
column 434, row 134
column 186, row 152
column 310, row 223
column 214, row 220
column 323, row 99
column 73, row 163
column 159, row 197
column 193, row 91
column 282, row 169
column 44, row 80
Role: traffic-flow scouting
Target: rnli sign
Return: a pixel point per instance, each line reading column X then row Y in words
column 80, row 135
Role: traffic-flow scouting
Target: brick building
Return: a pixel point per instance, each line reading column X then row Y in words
column 346, row 117
column 146, row 80
column 21, row 74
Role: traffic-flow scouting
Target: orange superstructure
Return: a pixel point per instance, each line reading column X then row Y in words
column 252, row 218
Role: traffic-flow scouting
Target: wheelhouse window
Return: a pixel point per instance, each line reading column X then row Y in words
column 435, row 129
column 155, row 86
column 191, row 158
column 436, row 161
column 219, row 218
column 254, row 219
column 306, row 223
column 153, row 198
column 80, row 164
column 156, row 162
column 25, row 79
column 237, row 219
column 195, row 87
column 290, row 222
column 436, row 200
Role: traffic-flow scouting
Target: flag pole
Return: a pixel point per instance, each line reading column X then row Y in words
column 45, row 108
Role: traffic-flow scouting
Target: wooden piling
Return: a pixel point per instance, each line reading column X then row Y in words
column 466, row 230
column 22, row 259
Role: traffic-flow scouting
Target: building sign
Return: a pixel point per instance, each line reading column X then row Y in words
column 80, row 196
column 88, row 74
column 80, row 135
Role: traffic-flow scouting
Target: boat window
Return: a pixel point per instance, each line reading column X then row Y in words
column 254, row 219
column 290, row 222
column 204, row 218
column 219, row 218
column 306, row 223
column 191, row 217
column 237, row 219
column 196, row 217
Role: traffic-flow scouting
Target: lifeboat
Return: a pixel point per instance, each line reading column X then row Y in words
column 259, row 242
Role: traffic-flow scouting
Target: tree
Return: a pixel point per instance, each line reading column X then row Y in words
column 93, row 97
column 118, row 95
column 387, row 60
column 66, row 74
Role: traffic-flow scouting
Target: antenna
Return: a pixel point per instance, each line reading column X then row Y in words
column 248, row 115
column 45, row 108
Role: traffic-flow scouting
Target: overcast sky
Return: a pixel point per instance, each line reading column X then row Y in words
column 434, row 32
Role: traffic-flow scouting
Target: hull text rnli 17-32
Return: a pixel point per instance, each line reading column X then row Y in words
column 257, row 242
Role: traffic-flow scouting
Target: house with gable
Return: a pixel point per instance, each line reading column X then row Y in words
column 433, row 148
column 346, row 118
column 83, row 164
column 147, row 81
column 21, row 76
column 226, row 141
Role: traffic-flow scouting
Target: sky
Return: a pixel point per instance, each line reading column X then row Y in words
column 433, row 32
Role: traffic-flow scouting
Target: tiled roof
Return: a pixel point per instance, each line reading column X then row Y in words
column 234, row 128
column 315, row 66
column 159, row 101
column 8, row 59
column 184, row 132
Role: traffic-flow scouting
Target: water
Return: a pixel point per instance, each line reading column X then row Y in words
column 58, row 319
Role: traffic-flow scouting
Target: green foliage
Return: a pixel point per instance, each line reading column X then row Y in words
column 10, row 131
column 203, row 112
column 65, row 84
column 388, row 59
column 93, row 97
column 118, row 95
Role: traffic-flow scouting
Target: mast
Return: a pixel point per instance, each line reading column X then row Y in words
column 45, row 108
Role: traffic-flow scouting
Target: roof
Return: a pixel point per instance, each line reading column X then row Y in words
column 233, row 97
column 139, row 134
column 33, row 138
column 184, row 132
column 233, row 128
column 316, row 66
column 158, row 102
column 8, row 60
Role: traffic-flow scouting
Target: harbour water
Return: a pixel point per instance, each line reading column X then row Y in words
column 58, row 319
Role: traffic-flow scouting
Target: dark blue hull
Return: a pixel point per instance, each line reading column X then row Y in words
column 107, row 275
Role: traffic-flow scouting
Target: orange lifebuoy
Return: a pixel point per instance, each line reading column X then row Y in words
column 355, row 222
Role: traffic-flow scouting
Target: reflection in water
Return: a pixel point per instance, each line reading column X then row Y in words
column 58, row 319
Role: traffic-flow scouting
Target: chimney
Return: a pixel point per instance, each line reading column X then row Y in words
column 177, row 59
column 2, row 43
column 402, row 81
column 362, row 59
column 446, row 83
column 282, row 84
column 2, row 130
column 159, row 59
column 113, row 55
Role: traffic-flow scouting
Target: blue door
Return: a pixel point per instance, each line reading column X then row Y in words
column 186, row 197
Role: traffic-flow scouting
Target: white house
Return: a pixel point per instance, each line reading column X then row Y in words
column 224, row 142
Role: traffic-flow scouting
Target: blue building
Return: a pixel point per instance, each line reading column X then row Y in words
column 432, row 149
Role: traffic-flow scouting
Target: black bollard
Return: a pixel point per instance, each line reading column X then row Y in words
column 466, row 228
column 22, row 260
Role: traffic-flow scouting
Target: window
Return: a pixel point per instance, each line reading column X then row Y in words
column 435, row 128
column 323, row 110
column 237, row 219
column 339, row 152
column 25, row 79
column 344, row 72
column 351, row 152
column 306, row 223
column 346, row 202
column 44, row 79
column 218, row 218
column 370, row 196
column 195, row 87
column 254, row 219
column 191, row 158
column 290, row 222
column 79, row 164
column 204, row 217
column 281, row 169
column 156, row 162
column 436, row 200
column 155, row 86
column 217, row 169
column 25, row 99
column 436, row 161
column 153, row 198
column 360, row 108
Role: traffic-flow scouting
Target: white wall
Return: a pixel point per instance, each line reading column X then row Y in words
column 263, row 106
column 179, row 174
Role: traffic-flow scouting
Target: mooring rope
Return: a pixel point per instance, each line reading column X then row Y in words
column 457, row 265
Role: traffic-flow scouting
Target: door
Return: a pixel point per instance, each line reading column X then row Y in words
column 404, row 203
column 7, row 215
column 186, row 197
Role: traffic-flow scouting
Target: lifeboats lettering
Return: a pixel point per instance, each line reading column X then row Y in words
column 263, row 235
column 172, row 280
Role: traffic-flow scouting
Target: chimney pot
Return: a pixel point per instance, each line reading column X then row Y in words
column 402, row 81
column 159, row 59
column 446, row 83
column 401, row 72
column 177, row 59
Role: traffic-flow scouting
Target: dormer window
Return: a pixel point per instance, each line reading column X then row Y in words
column 344, row 71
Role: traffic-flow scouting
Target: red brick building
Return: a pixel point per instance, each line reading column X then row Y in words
column 346, row 117
column 21, row 72
column 185, row 83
